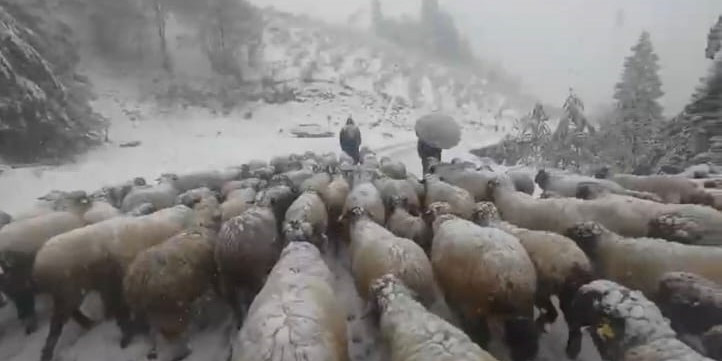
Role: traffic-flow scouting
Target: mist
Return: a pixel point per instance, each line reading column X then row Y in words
column 557, row 44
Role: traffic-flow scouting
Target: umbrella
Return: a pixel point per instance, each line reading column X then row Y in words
column 438, row 130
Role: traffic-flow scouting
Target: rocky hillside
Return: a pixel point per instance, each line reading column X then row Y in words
column 44, row 109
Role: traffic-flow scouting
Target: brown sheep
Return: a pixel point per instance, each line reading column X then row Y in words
column 96, row 257
column 334, row 196
column 296, row 315
column 561, row 266
column 248, row 247
column 375, row 252
column 366, row 196
column 486, row 272
column 405, row 225
column 237, row 202
column 165, row 280
column 393, row 170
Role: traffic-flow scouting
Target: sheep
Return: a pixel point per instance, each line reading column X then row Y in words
column 670, row 189
column 248, row 246
column 412, row 333
column 237, row 202
column 561, row 266
column 20, row 242
column 317, row 182
column 282, row 164
column 296, row 315
column 390, row 188
column 96, row 257
column 375, row 252
column 308, row 215
column 210, row 179
column 101, row 209
column 460, row 200
column 624, row 326
column 393, row 170
column 405, row 225
column 334, row 196
column 115, row 194
column 164, row 281
column 418, row 186
column 279, row 198
column 253, row 183
column 638, row 263
column 472, row 181
column 297, row 177
column 366, row 196
column 486, row 272
column 628, row 216
column 161, row 195
column 567, row 185
column 52, row 202
column 712, row 342
column 692, row 303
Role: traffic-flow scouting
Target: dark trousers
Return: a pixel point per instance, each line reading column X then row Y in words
column 353, row 152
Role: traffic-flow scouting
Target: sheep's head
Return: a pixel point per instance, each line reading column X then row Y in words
column 399, row 202
column 142, row 210
column 678, row 288
column 485, row 213
column 587, row 236
column 281, row 179
column 297, row 231
column 676, row 228
column 170, row 178
column 491, row 187
column 542, row 178
column 584, row 191
column 76, row 201
column 386, row 288
column 139, row 181
column 357, row 213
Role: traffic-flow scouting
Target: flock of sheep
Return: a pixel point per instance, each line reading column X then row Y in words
column 255, row 236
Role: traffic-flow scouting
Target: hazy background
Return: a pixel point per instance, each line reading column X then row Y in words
column 555, row 44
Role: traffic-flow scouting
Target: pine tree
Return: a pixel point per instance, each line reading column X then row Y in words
column 569, row 146
column 637, row 94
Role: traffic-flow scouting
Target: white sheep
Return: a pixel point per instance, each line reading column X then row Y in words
column 20, row 242
column 485, row 272
column 691, row 302
column 307, row 218
column 161, row 195
column 412, row 333
column 566, row 185
column 96, row 257
column 296, row 315
column 237, row 202
column 375, row 252
column 460, row 200
column 625, row 326
column 638, row 263
column 671, row 189
column 334, row 196
column 365, row 195
column 561, row 266
column 390, row 188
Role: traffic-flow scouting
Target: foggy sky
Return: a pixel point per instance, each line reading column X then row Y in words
column 556, row 44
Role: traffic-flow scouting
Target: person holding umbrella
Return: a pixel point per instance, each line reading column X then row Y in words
column 350, row 139
column 436, row 131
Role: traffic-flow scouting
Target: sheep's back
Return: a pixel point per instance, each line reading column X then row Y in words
column 176, row 271
column 248, row 245
column 368, row 197
column 482, row 267
column 29, row 235
column 334, row 195
column 296, row 311
column 461, row 201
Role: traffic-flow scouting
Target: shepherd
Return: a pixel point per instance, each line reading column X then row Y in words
column 436, row 131
column 350, row 139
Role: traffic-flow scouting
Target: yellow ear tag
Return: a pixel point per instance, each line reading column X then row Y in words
column 605, row 331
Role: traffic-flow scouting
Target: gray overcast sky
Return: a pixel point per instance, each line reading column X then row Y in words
column 555, row 44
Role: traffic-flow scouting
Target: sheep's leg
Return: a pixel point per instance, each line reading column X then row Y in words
column 230, row 293
column 522, row 337
column 548, row 313
column 153, row 352
column 115, row 306
column 478, row 330
column 83, row 320
column 574, row 324
column 61, row 315
column 24, row 301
